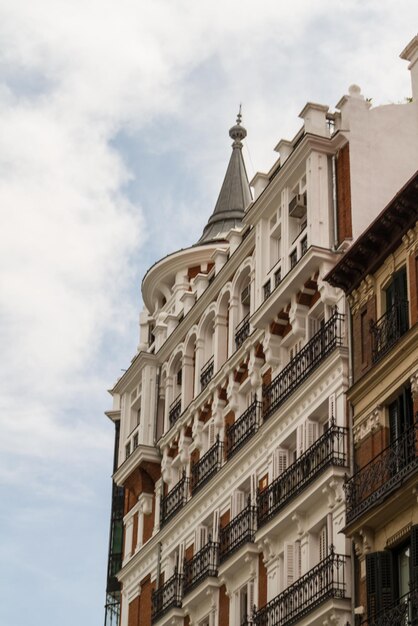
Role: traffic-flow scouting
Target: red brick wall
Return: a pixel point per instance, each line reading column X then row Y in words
column 362, row 338
column 262, row 582
column 133, row 612
column 344, row 225
column 371, row 446
column 223, row 607
column 145, row 602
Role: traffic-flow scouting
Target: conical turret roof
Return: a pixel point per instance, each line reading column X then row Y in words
column 235, row 194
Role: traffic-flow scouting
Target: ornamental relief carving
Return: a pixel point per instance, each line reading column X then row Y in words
column 363, row 294
column 370, row 424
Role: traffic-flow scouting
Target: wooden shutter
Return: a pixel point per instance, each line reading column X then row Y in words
column 413, row 563
column 216, row 522
column 280, row 461
column 298, row 560
column 379, row 581
column 237, row 502
column 201, row 535
column 331, row 407
column 300, row 440
column 323, row 543
column 289, row 564
column 211, row 434
column 311, row 433
column 250, row 600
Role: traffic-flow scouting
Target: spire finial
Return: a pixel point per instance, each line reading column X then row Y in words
column 238, row 132
column 239, row 116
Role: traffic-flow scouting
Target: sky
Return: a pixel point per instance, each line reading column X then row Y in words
column 114, row 121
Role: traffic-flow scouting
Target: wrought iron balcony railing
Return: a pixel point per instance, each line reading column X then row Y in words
column 240, row 530
column 167, row 597
column 384, row 473
column 174, row 500
column 244, row 428
column 206, row 373
column 388, row 329
column 311, row 355
column 207, row 466
column 404, row 612
column 202, row 565
column 175, row 411
column 242, row 331
column 325, row 580
column 329, row 449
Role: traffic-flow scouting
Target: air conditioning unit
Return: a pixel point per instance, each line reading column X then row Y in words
column 297, row 205
column 245, row 296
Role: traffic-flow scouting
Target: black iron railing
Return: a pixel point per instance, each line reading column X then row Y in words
column 240, row 530
column 329, row 449
column 207, row 466
column 206, row 373
column 404, row 612
column 384, row 473
column 199, row 567
column 388, row 329
column 325, row 580
column 175, row 410
column 277, row 277
column 244, row 428
column 174, row 500
column 168, row 596
column 311, row 355
column 242, row 331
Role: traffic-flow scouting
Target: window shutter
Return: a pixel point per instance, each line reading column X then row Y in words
column 311, row 433
column 289, row 564
column 280, row 461
column 253, row 488
column 180, row 557
column 300, row 440
column 331, row 407
column 413, row 563
column 211, row 434
column 379, row 581
column 371, row 584
column 201, row 534
column 216, row 522
column 237, row 502
column 323, row 543
column 250, row 600
column 298, row 560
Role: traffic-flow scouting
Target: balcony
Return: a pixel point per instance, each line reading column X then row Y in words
column 206, row 373
column 299, row 368
column 175, row 411
column 388, row 329
column 207, row 466
column 174, row 500
column 329, row 449
column 404, row 612
column 240, row 530
column 382, row 475
column 242, row 331
column 244, row 428
column 167, row 597
column 201, row 566
column 325, row 580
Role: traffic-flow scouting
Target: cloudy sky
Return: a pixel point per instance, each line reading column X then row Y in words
column 114, row 121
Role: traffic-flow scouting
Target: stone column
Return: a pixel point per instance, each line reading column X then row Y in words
column 220, row 339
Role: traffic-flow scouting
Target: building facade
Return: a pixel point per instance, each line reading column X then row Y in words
column 379, row 274
column 232, row 430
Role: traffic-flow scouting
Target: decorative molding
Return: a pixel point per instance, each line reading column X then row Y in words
column 373, row 421
column 360, row 296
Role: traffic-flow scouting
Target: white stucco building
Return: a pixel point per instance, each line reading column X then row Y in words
column 232, row 429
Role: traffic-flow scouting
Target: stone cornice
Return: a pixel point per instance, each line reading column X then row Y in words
column 141, row 454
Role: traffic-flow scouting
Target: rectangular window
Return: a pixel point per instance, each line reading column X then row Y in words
column 293, row 258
